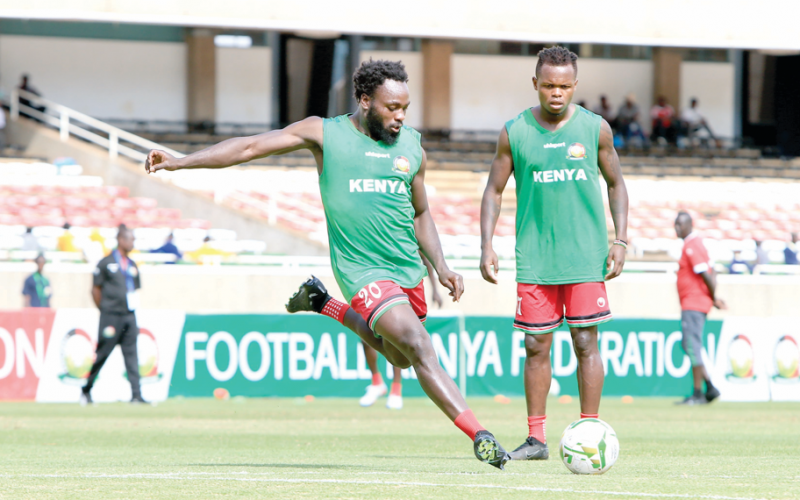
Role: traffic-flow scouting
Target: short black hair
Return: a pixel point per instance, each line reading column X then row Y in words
column 371, row 75
column 557, row 56
column 683, row 215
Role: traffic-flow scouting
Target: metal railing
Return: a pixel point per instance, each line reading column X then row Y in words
column 69, row 121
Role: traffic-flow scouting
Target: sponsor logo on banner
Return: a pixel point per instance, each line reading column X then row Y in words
column 24, row 340
column 147, row 350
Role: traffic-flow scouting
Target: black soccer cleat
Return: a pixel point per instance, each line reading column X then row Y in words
column 711, row 394
column 693, row 401
column 86, row 398
column 312, row 296
column 531, row 449
column 489, row 451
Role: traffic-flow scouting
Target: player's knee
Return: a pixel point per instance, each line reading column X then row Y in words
column 585, row 343
column 536, row 347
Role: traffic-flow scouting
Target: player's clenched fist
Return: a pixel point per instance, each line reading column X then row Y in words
column 159, row 160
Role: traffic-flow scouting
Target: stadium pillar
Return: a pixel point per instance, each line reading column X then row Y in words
column 436, row 57
column 201, row 67
column 667, row 74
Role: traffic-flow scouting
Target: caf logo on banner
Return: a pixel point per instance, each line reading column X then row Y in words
column 77, row 357
column 786, row 360
column 741, row 360
column 147, row 349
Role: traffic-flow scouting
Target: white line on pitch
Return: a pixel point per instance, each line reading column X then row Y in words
column 213, row 477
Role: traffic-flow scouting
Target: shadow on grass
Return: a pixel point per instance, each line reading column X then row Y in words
column 282, row 466
column 428, row 457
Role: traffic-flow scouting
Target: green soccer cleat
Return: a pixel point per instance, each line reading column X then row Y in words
column 489, row 451
column 531, row 449
column 312, row 296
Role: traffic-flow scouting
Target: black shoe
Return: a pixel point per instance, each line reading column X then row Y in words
column 488, row 450
column 531, row 449
column 711, row 394
column 137, row 400
column 85, row 399
column 312, row 296
column 693, row 400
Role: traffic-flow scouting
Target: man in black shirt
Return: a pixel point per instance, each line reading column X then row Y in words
column 116, row 281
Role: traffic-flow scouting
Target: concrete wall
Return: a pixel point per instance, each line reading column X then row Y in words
column 713, row 85
column 260, row 289
column 243, row 85
column 45, row 143
column 102, row 78
column 134, row 79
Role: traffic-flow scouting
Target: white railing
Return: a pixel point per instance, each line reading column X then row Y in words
column 69, row 121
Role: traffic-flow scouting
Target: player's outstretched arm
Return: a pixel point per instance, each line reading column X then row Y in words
column 502, row 166
column 428, row 237
column 617, row 198
column 305, row 134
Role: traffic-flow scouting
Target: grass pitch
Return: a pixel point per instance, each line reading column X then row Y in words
column 332, row 448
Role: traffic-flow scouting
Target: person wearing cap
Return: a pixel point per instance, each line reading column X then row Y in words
column 115, row 293
column 36, row 291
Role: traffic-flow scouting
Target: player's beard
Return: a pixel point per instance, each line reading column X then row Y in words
column 376, row 129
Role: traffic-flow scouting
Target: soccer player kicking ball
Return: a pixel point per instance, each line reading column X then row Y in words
column 378, row 387
column 371, row 176
column 555, row 151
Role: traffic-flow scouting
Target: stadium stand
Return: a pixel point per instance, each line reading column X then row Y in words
column 47, row 196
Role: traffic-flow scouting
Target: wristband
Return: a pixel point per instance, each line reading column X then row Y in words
column 621, row 243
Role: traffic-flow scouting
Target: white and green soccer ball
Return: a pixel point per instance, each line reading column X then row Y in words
column 589, row 446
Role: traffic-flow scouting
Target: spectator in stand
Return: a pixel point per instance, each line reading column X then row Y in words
column 790, row 252
column 27, row 87
column 627, row 121
column 29, row 241
column 604, row 109
column 694, row 122
column 697, row 284
column 739, row 265
column 169, row 247
column 663, row 116
column 36, row 292
column 66, row 241
column 207, row 253
column 762, row 256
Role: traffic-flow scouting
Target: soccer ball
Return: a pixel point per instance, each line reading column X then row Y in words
column 589, row 446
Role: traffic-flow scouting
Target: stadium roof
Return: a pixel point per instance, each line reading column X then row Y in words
column 684, row 23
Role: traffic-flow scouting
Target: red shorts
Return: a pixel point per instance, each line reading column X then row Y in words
column 372, row 301
column 542, row 308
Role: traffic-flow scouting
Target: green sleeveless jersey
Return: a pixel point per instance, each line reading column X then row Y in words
column 561, row 225
column 366, row 192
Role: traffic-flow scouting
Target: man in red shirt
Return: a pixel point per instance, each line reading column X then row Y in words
column 697, row 283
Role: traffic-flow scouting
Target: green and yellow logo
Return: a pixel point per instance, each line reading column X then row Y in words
column 786, row 360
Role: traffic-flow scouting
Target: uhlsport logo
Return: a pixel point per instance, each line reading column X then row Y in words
column 786, row 360
column 77, row 357
column 601, row 302
column 741, row 360
column 576, row 151
column 401, row 164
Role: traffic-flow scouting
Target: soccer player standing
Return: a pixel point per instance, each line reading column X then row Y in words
column 371, row 176
column 697, row 286
column 556, row 152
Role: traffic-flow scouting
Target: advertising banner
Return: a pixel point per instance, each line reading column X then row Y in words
column 46, row 355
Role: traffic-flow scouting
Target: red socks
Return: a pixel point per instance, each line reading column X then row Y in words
column 377, row 379
column 335, row 309
column 537, row 427
column 589, row 415
column 397, row 389
column 467, row 422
